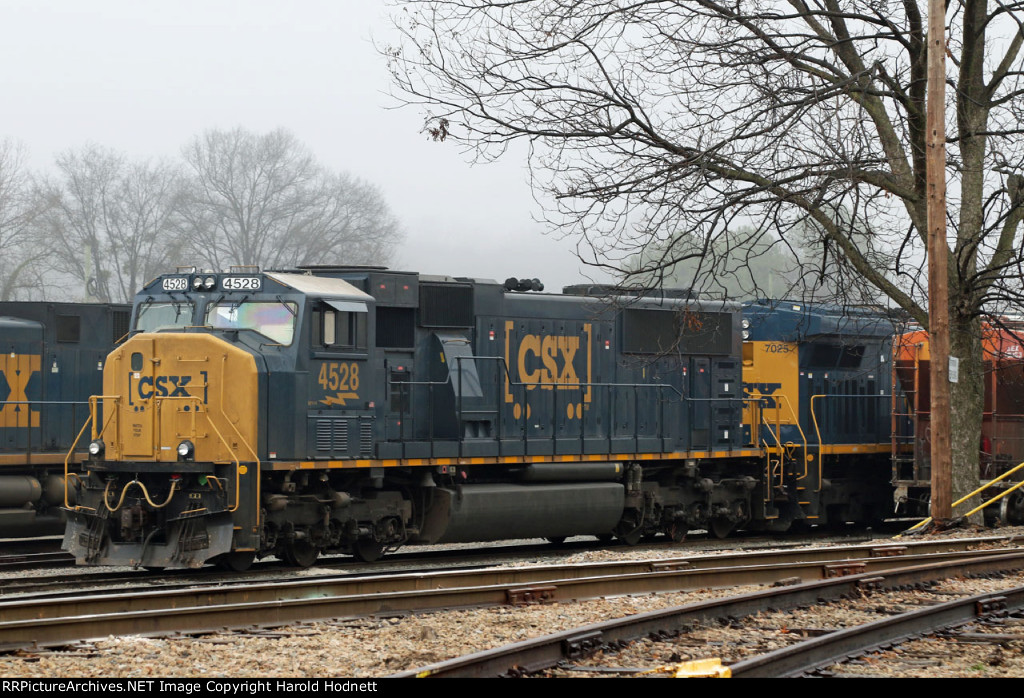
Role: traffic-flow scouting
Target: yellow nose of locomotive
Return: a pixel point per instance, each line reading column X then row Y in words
column 179, row 396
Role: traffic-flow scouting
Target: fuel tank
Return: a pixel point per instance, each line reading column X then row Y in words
column 488, row 512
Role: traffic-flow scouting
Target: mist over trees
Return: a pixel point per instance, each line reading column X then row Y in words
column 672, row 130
column 99, row 225
column 263, row 199
column 108, row 221
column 19, row 213
column 744, row 262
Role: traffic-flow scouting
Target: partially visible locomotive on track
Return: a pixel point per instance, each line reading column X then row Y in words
column 360, row 409
column 821, row 386
column 51, row 362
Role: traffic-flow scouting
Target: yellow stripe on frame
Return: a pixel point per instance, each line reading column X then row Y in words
column 507, row 460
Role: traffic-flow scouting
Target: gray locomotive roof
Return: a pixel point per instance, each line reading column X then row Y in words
column 320, row 286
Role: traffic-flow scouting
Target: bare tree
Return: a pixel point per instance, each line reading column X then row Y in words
column 649, row 117
column 109, row 220
column 263, row 199
column 20, row 210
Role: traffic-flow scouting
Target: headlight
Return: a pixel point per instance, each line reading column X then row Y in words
column 209, row 282
column 197, row 283
column 186, row 450
column 745, row 334
column 745, row 323
column 96, row 448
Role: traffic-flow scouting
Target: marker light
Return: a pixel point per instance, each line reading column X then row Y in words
column 96, row 448
column 186, row 450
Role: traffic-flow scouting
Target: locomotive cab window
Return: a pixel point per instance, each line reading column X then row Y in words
column 275, row 320
column 340, row 325
column 153, row 317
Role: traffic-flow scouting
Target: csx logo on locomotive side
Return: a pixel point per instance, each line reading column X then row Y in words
column 147, row 387
column 556, row 354
column 16, row 370
column 548, row 362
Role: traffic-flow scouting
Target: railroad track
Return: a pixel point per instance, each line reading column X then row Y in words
column 46, row 620
column 566, row 652
column 32, row 553
column 102, row 581
column 45, row 553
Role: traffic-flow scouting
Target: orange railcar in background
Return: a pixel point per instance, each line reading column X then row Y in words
column 1001, row 446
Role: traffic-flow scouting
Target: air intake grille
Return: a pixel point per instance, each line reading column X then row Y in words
column 366, row 439
column 446, row 305
column 121, row 323
column 332, row 435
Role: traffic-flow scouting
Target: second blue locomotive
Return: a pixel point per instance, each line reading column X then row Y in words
column 51, row 361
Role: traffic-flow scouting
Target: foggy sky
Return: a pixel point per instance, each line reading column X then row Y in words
column 145, row 78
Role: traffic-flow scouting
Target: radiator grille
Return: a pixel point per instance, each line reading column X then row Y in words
column 332, row 435
column 366, row 439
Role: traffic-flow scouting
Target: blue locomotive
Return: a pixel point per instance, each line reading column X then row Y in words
column 356, row 410
column 51, row 362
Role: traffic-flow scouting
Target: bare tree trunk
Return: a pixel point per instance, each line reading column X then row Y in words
column 967, row 404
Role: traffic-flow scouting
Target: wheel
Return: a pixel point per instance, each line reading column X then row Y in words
column 720, row 527
column 556, row 540
column 604, row 537
column 367, row 550
column 677, row 531
column 237, row 561
column 301, row 553
column 1011, row 508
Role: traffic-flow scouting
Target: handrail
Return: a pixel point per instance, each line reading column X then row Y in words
column 984, row 487
column 252, row 451
column 505, row 373
column 114, row 420
column 90, row 420
column 800, row 430
column 767, row 452
column 23, row 420
column 158, row 407
column 114, row 416
column 67, row 460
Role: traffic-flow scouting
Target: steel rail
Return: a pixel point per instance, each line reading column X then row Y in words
column 531, row 656
column 810, row 655
column 33, row 561
column 700, row 560
column 38, row 621
column 525, row 584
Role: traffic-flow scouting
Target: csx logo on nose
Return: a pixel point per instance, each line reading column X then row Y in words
column 163, row 386
column 556, row 356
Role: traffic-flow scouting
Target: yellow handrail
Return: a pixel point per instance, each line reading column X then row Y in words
column 796, row 423
column 90, row 420
column 984, row 487
column 114, row 421
column 67, row 460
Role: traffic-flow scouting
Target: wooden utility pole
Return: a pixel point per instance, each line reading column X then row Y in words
column 938, row 287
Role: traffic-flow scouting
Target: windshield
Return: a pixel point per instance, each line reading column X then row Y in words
column 153, row 317
column 272, row 319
